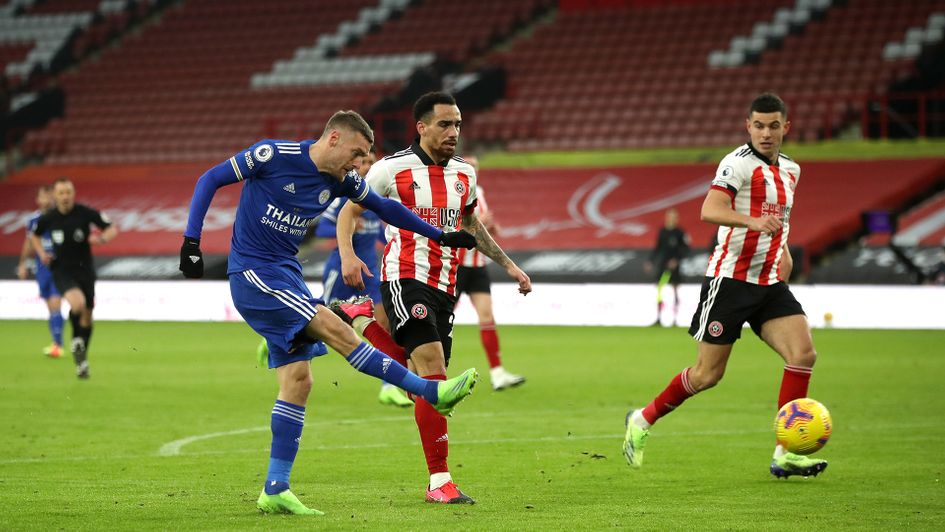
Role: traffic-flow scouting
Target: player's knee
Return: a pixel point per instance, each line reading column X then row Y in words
column 805, row 357
column 704, row 378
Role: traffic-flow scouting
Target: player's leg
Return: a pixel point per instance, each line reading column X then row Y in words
column 286, row 423
column 716, row 325
column 660, row 284
column 422, row 321
column 56, row 322
column 327, row 327
column 674, row 278
column 50, row 294
column 77, row 311
column 489, row 336
column 390, row 394
column 278, row 306
column 790, row 337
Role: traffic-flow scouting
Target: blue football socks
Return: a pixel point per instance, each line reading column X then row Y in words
column 287, row 422
column 372, row 362
column 56, row 323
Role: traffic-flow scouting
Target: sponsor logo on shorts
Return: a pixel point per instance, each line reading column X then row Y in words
column 715, row 329
column 419, row 311
column 460, row 187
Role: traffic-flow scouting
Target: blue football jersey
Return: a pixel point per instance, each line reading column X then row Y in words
column 365, row 237
column 46, row 239
column 283, row 194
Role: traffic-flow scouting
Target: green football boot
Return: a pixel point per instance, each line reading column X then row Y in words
column 790, row 464
column 394, row 396
column 451, row 392
column 284, row 503
column 633, row 442
column 262, row 354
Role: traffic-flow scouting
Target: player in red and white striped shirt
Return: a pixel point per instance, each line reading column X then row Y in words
column 750, row 199
column 419, row 276
column 472, row 278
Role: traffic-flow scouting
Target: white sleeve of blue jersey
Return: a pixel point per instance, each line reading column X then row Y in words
column 355, row 187
column 247, row 163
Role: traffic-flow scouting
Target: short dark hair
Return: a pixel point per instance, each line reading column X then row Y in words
column 46, row 188
column 425, row 104
column 351, row 121
column 62, row 179
column 768, row 102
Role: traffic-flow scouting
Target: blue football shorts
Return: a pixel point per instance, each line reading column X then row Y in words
column 276, row 303
column 47, row 287
column 335, row 287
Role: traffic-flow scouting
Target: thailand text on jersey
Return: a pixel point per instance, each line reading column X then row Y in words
column 473, row 258
column 283, row 194
column 757, row 187
column 439, row 194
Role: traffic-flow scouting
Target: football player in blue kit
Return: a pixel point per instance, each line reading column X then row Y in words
column 44, row 278
column 287, row 185
column 369, row 232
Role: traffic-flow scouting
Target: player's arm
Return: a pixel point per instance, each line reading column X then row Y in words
column 351, row 265
column 191, row 258
column 488, row 246
column 717, row 209
column 109, row 230
column 36, row 240
column 25, row 252
column 787, row 264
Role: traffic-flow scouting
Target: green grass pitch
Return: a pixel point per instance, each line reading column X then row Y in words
column 171, row 433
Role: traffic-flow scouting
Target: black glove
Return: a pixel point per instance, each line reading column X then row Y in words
column 458, row 239
column 191, row 258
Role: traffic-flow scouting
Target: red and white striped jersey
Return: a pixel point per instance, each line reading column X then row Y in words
column 757, row 187
column 473, row 258
column 440, row 195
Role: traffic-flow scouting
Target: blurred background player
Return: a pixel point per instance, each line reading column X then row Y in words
column 367, row 236
column 672, row 245
column 418, row 283
column 288, row 184
column 750, row 199
column 47, row 288
column 69, row 228
column 472, row 278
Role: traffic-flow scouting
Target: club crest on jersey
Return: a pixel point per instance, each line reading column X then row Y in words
column 78, row 235
column 263, row 153
column 715, row 329
column 324, row 196
column 460, row 187
column 419, row 311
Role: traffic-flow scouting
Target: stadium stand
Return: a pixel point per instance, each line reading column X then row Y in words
column 165, row 95
column 640, row 77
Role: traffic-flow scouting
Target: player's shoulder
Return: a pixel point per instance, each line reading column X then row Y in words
column 740, row 155
column 462, row 165
column 266, row 150
column 788, row 163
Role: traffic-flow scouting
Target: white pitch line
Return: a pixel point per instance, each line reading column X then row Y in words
column 490, row 441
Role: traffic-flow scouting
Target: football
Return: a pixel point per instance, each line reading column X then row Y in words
column 803, row 426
